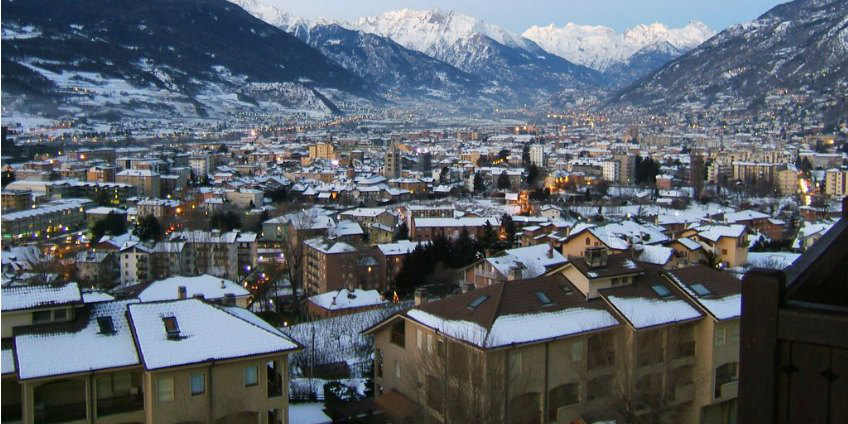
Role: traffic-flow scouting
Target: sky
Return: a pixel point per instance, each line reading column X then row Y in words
column 617, row 14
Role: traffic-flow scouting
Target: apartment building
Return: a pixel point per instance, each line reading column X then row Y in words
column 172, row 361
column 787, row 181
column 322, row 151
column 145, row 180
column 15, row 200
column 332, row 264
column 101, row 174
column 48, row 220
column 425, row 229
column 836, row 182
column 514, row 264
column 729, row 243
column 617, row 340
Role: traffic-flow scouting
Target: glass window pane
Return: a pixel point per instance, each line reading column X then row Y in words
column 165, row 388
column 251, row 376
column 104, row 387
column 198, row 383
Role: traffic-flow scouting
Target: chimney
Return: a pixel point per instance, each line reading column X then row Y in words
column 550, row 252
column 596, row 257
column 181, row 292
column 420, row 296
column 229, row 299
column 223, row 284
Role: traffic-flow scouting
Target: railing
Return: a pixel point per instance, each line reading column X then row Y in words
column 275, row 386
column 119, row 404
column 728, row 390
column 60, row 413
column 10, row 412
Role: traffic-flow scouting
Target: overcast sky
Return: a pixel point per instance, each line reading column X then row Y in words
column 518, row 15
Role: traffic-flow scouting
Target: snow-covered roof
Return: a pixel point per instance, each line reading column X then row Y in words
column 327, row 247
column 520, row 328
column 345, row 299
column 715, row 232
column 657, row 255
column 94, row 296
column 58, row 351
column 210, row 287
column 716, row 291
column 400, row 247
column 532, row 261
column 202, row 327
column 647, row 312
column 456, row 222
column 772, row 260
column 745, row 215
column 689, row 243
column 39, row 296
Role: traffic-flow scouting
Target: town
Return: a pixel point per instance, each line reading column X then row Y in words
column 575, row 267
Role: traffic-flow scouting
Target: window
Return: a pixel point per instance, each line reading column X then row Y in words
column 251, row 376
column 397, row 369
column 566, row 289
column 733, row 334
column 700, row 290
column 398, row 335
column 172, row 328
column 588, row 241
column 477, row 302
column 661, row 290
column 60, row 314
column 615, row 281
column 42, row 316
column 723, row 251
column 106, row 325
column 726, row 373
column 165, row 389
column 543, row 298
column 601, row 351
column 577, row 351
column 564, row 395
column 720, row 337
column 198, row 383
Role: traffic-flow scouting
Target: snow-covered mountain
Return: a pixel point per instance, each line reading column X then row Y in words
column 600, row 47
column 800, row 46
column 511, row 63
column 116, row 58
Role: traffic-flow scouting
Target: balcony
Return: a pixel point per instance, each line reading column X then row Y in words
column 682, row 393
column 120, row 404
column 728, row 390
column 60, row 413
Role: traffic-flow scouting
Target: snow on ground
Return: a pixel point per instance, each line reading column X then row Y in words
column 308, row 413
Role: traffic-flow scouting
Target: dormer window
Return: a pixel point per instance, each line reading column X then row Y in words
column 544, row 299
column 477, row 302
column 661, row 291
column 171, row 327
column 106, row 325
column 700, row 290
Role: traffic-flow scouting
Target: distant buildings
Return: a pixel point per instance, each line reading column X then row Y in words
column 145, row 180
column 537, row 155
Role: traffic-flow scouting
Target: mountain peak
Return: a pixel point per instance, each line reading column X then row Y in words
column 600, row 47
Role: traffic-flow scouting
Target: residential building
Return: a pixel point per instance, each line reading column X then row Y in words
column 537, row 155
column 728, row 243
column 836, row 182
column 170, row 361
column 342, row 302
column 574, row 345
column 15, row 200
column 146, row 181
column 322, row 151
column 787, row 181
column 430, row 228
column 330, row 264
column 611, row 171
column 101, row 174
column 45, row 221
column 514, row 264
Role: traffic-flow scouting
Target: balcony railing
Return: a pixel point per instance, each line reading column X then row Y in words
column 119, row 404
column 60, row 413
column 275, row 386
column 728, row 390
column 11, row 412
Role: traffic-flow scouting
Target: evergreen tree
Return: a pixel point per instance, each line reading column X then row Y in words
column 479, row 186
column 148, row 228
column 503, row 181
column 402, row 232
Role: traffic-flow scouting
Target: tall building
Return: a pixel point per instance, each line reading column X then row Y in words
column 627, row 168
column 392, row 165
column 611, row 170
column 146, row 181
column 836, row 182
column 537, row 155
column 322, row 151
